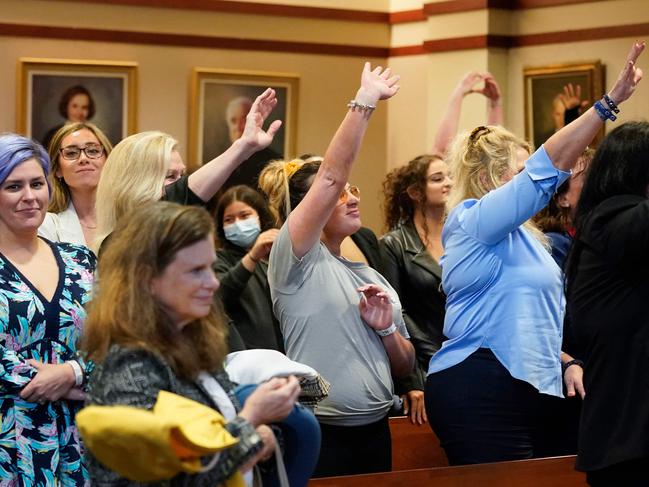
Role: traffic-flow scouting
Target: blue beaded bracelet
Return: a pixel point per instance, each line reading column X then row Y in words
column 604, row 113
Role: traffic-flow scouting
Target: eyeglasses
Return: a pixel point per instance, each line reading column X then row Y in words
column 72, row 152
column 344, row 194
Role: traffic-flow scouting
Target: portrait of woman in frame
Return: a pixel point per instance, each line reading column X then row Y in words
column 53, row 92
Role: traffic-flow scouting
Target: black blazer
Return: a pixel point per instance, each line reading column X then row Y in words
column 366, row 241
column 608, row 289
column 417, row 277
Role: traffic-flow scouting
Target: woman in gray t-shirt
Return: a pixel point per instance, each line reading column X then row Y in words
column 338, row 316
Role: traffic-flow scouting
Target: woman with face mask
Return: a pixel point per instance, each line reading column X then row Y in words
column 245, row 231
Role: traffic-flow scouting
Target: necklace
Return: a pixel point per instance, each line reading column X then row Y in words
column 89, row 227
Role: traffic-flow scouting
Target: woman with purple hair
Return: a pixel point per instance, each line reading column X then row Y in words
column 43, row 287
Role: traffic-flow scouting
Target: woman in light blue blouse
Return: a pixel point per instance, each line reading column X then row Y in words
column 490, row 386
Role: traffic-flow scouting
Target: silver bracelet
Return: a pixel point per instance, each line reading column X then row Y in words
column 390, row 330
column 353, row 105
column 78, row 373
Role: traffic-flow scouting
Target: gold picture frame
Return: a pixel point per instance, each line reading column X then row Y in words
column 215, row 92
column 544, row 110
column 45, row 84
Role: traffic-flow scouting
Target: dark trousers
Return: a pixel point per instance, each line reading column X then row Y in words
column 481, row 414
column 350, row 450
column 632, row 473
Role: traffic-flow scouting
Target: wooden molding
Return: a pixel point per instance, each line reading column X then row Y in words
column 430, row 46
column 594, row 34
column 506, row 42
column 407, row 16
column 465, row 43
column 256, row 8
column 187, row 40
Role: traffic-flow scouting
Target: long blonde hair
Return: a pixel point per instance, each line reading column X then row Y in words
column 124, row 311
column 479, row 161
column 134, row 174
column 60, row 190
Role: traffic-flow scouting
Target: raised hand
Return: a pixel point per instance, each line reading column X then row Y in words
column 376, row 84
column 491, row 89
column 571, row 97
column 629, row 77
column 467, row 83
column 253, row 133
column 375, row 307
column 261, row 248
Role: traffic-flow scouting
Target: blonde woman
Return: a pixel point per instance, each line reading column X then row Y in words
column 489, row 387
column 338, row 316
column 78, row 152
column 147, row 167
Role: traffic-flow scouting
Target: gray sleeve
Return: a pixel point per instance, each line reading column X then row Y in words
column 287, row 273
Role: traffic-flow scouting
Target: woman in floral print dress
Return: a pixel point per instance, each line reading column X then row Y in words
column 43, row 287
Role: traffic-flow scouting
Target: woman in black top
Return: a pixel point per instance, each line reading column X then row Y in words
column 246, row 233
column 414, row 211
column 608, row 285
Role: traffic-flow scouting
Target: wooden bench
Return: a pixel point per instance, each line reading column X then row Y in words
column 414, row 446
column 542, row 472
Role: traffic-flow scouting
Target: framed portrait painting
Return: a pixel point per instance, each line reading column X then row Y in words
column 219, row 102
column 556, row 94
column 55, row 91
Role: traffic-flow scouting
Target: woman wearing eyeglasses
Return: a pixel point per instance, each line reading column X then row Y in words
column 78, row 152
column 340, row 317
column 489, row 386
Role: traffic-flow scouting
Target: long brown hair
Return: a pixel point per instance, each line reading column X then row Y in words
column 398, row 206
column 555, row 218
column 123, row 310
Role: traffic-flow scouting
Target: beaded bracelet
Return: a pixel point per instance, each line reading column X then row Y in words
column 565, row 366
column 611, row 104
column 603, row 112
column 353, row 104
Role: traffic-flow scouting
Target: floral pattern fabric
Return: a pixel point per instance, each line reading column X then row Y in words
column 39, row 443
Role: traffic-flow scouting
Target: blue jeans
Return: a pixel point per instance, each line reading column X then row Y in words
column 301, row 442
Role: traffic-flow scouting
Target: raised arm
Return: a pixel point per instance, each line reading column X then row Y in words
column 566, row 145
column 307, row 220
column 209, row 178
column 494, row 101
column 451, row 118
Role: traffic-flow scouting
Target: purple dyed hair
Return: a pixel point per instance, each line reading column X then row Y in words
column 16, row 149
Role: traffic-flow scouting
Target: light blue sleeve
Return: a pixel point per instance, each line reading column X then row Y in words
column 504, row 209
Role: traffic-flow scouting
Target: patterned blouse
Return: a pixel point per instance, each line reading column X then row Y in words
column 39, row 443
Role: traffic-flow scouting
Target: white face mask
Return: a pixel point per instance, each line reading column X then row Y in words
column 243, row 233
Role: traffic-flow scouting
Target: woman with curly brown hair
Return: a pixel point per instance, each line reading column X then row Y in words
column 415, row 199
